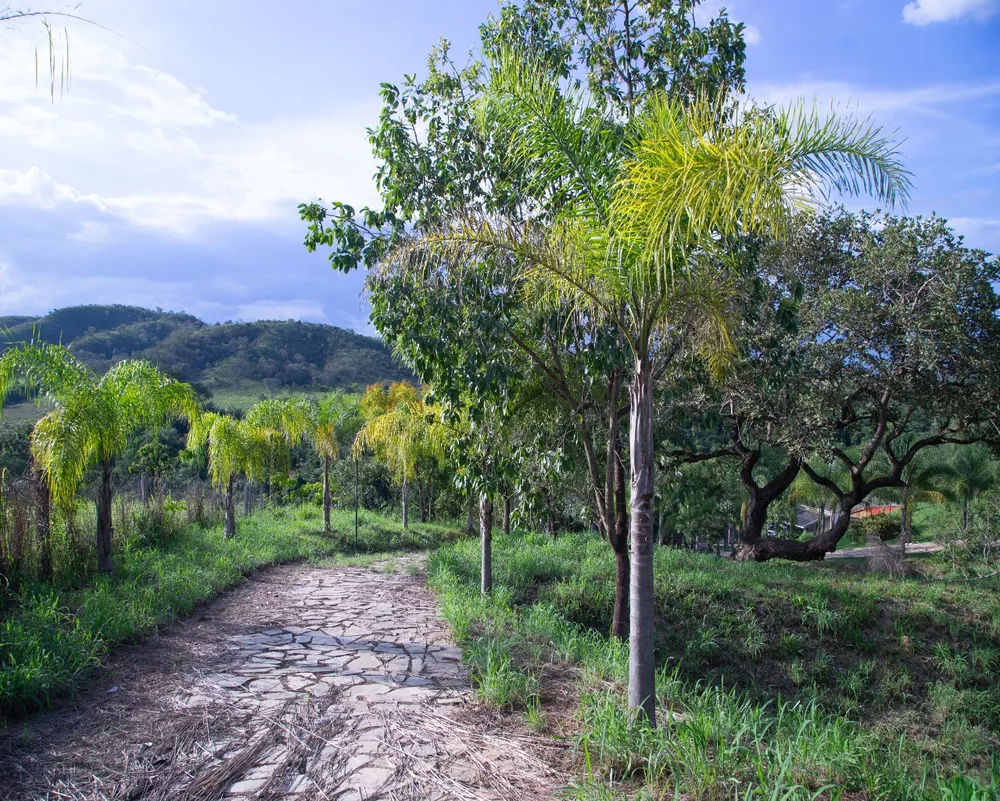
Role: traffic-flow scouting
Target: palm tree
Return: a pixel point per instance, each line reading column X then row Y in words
column 256, row 446
column 400, row 429
column 333, row 419
column 642, row 250
column 92, row 421
column 971, row 471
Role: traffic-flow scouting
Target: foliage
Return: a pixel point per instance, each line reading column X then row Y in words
column 770, row 675
column 93, row 417
column 400, row 428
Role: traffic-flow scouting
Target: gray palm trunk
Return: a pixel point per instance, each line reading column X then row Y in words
column 230, row 518
column 326, row 494
column 406, row 503
column 104, row 531
column 486, row 537
column 641, row 666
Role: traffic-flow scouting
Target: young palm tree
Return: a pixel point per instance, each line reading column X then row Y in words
column 92, row 421
column 642, row 250
column 399, row 429
column 971, row 471
column 256, row 446
column 333, row 419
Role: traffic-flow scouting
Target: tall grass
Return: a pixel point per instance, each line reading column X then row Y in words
column 775, row 681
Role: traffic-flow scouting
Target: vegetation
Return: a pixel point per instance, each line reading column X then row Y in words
column 91, row 423
column 774, row 680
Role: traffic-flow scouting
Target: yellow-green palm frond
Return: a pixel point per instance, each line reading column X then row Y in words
column 291, row 417
column 135, row 394
column 703, row 170
column 238, row 447
column 703, row 306
column 400, row 428
column 43, row 369
column 565, row 262
column 335, row 417
column 64, row 448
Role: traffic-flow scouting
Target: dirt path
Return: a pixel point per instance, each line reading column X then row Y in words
column 912, row 548
column 305, row 683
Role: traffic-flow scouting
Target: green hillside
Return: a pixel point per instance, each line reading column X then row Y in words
column 231, row 362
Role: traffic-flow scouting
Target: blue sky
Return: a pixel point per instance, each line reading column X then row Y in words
column 170, row 173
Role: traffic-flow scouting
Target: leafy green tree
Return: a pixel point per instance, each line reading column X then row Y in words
column 399, row 428
column 92, row 421
column 468, row 332
column 692, row 178
column 861, row 341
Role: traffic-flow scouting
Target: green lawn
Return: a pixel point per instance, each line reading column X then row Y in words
column 775, row 680
column 54, row 635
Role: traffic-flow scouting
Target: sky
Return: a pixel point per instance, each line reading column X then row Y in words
column 170, row 173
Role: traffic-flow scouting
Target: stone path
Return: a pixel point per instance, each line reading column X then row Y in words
column 352, row 692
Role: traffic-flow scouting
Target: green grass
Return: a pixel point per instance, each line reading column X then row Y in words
column 56, row 634
column 775, row 680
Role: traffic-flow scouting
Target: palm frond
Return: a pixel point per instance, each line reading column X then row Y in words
column 703, row 170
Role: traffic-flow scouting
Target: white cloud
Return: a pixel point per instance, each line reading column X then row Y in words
column 930, row 100
column 751, row 35
column 141, row 145
column 927, row 12
column 981, row 231
column 38, row 190
column 92, row 232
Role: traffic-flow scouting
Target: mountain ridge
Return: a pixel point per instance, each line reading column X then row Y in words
column 242, row 358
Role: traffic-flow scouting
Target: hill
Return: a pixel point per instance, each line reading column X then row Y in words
column 231, row 362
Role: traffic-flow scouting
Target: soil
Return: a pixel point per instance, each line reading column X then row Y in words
column 304, row 683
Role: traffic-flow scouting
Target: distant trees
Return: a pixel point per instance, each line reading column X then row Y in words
column 92, row 421
column 256, row 446
column 399, row 428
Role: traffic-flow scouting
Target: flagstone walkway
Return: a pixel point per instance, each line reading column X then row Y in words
column 351, row 690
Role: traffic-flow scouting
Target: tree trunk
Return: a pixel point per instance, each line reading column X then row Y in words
column 230, row 518
column 641, row 665
column 326, row 494
column 617, row 525
column 506, row 515
column 43, row 525
column 199, row 500
column 406, row 504
column 104, row 530
column 144, row 487
column 761, row 550
column 246, row 497
column 486, row 536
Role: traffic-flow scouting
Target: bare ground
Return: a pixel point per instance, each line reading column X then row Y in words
column 304, row 683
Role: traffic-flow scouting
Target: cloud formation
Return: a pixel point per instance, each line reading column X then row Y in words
column 927, row 12
column 140, row 145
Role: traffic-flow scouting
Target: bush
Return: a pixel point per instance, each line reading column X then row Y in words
column 879, row 528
